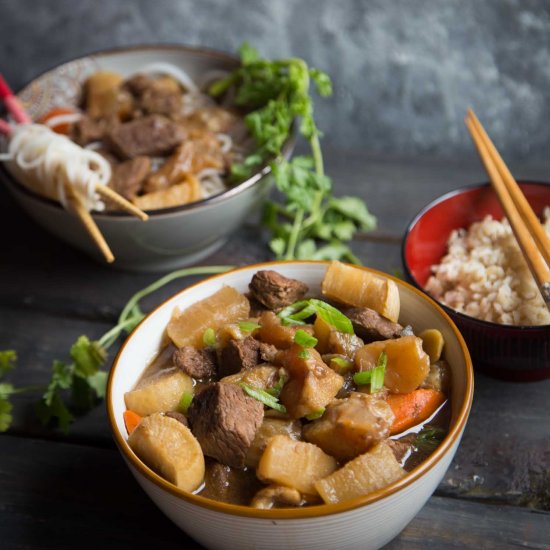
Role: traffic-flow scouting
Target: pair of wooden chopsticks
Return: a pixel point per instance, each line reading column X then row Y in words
column 528, row 230
column 20, row 116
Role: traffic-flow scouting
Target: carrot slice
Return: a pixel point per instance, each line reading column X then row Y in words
column 63, row 127
column 412, row 408
column 131, row 420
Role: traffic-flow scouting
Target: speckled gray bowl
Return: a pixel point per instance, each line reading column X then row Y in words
column 172, row 237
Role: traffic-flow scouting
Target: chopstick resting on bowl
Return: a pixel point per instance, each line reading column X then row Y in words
column 77, row 205
column 531, row 237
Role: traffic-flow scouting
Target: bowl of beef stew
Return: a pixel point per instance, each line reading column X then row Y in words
column 167, row 146
column 306, row 404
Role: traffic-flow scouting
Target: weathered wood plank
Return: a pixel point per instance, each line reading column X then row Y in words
column 56, row 495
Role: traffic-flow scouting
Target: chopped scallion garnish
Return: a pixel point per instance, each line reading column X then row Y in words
column 304, row 339
column 297, row 312
column 185, row 402
column 263, row 397
column 304, row 354
column 316, row 414
column 278, row 387
column 341, row 365
column 209, row 337
column 375, row 376
column 249, row 326
column 429, row 438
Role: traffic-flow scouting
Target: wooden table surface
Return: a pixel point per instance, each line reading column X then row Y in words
column 69, row 491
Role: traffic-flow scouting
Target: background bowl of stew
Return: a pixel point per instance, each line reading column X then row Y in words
column 365, row 522
column 172, row 237
column 517, row 353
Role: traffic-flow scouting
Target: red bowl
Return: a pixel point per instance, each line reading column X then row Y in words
column 509, row 352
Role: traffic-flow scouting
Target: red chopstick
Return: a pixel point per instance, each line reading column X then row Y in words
column 12, row 103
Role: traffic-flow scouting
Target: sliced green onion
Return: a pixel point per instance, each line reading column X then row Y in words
column 304, row 339
column 332, row 316
column 341, row 365
column 185, row 402
column 249, row 326
column 263, row 397
column 209, row 337
column 304, row 354
column 292, row 309
column 375, row 376
column 378, row 373
column 362, row 378
column 298, row 311
column 275, row 391
column 316, row 414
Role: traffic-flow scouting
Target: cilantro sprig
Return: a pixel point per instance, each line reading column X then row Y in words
column 311, row 223
column 76, row 386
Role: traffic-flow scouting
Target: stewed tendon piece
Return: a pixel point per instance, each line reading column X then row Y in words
column 160, row 392
column 356, row 287
column 407, row 363
column 170, row 449
column 362, row 475
column 186, row 328
column 294, row 464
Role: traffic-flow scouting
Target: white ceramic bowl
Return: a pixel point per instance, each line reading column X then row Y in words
column 366, row 522
column 172, row 237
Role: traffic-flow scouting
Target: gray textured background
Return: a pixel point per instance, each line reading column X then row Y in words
column 405, row 71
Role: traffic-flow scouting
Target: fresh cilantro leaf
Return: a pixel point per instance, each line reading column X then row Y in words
column 62, row 379
column 5, row 414
column 87, row 356
column 55, row 410
column 7, row 361
column 98, row 382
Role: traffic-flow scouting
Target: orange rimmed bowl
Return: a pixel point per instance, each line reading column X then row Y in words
column 366, row 522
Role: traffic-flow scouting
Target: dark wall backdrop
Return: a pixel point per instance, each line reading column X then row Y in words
column 404, row 71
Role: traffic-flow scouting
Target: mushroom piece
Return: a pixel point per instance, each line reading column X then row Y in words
column 276, row 496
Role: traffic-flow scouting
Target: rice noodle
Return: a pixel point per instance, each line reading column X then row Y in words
column 226, row 142
column 45, row 161
column 68, row 118
column 211, row 181
column 172, row 70
column 94, row 145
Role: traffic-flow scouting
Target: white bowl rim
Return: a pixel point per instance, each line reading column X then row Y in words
column 451, row 438
column 160, row 212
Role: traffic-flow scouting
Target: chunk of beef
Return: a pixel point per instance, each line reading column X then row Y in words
column 128, row 176
column 402, row 448
column 229, row 484
column 225, row 421
column 268, row 352
column 151, row 135
column 239, row 355
column 178, row 416
column 276, row 291
column 192, row 156
column 161, row 101
column 371, row 326
column 138, row 84
column 197, row 363
column 86, row 129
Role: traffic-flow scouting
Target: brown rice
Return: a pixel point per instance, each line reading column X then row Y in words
column 484, row 275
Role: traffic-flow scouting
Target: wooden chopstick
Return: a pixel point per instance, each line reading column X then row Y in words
column 88, row 222
column 109, row 193
column 527, row 242
column 530, row 218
